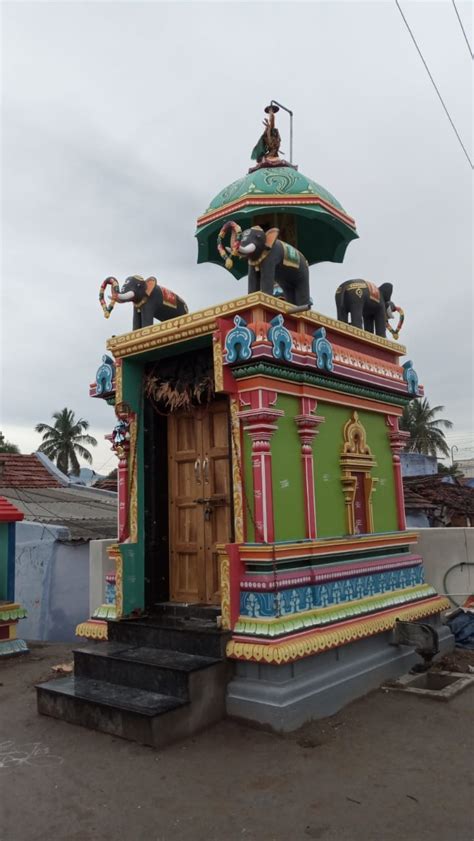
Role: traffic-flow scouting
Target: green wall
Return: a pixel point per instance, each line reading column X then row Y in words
column 330, row 509
column 384, row 500
column 133, row 554
column 287, row 473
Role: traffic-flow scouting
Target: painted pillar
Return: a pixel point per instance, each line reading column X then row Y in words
column 308, row 428
column 398, row 440
column 260, row 421
column 120, row 439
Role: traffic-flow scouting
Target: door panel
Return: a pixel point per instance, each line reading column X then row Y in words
column 200, row 494
column 217, row 525
column 186, row 522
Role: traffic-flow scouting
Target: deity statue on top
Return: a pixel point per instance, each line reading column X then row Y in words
column 266, row 151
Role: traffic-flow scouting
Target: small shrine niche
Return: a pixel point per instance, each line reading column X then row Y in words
column 358, row 485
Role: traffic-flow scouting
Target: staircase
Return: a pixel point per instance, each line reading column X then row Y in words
column 156, row 680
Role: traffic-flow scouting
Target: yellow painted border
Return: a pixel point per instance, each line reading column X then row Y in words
column 322, row 640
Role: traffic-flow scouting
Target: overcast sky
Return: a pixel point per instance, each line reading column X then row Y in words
column 121, row 121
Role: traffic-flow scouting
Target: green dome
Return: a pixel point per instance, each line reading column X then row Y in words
column 322, row 227
column 272, row 181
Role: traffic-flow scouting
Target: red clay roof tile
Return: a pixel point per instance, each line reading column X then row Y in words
column 25, row 471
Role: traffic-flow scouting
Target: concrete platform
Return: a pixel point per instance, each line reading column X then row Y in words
column 286, row 697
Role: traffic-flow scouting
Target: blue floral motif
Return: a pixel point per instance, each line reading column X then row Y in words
column 252, row 605
column 280, row 339
column 299, row 599
column 411, row 377
column 238, row 342
column 105, row 375
column 323, row 349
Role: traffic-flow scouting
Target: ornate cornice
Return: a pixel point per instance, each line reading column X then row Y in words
column 302, row 376
column 204, row 322
column 263, row 200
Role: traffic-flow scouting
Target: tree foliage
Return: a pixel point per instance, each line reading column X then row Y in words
column 426, row 430
column 7, row 446
column 450, row 470
column 64, row 441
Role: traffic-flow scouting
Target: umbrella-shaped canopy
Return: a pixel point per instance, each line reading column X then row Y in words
column 320, row 227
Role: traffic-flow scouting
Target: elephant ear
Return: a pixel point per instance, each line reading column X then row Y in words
column 151, row 283
column 271, row 236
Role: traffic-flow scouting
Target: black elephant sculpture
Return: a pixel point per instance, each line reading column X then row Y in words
column 272, row 261
column 150, row 300
column 368, row 305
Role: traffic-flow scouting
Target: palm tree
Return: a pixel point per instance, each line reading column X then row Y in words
column 426, row 433
column 65, row 439
column 7, row 446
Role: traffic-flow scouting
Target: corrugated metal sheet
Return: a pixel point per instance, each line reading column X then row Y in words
column 87, row 514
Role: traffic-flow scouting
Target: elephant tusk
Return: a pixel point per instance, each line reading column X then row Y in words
column 125, row 296
column 247, row 249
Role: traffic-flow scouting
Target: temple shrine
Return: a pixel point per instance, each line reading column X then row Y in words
column 262, row 558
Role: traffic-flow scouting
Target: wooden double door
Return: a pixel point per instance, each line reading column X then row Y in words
column 199, row 500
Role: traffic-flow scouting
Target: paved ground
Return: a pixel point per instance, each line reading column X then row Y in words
column 389, row 767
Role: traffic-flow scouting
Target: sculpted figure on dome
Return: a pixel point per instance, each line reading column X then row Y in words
column 268, row 147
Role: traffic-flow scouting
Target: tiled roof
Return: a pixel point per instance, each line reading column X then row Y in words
column 25, row 471
column 87, row 513
column 8, row 512
column 456, row 498
column 107, row 483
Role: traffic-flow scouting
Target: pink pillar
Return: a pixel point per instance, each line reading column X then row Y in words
column 397, row 443
column 308, row 428
column 260, row 421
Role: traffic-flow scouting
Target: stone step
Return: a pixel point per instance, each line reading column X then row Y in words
column 153, row 669
column 188, row 611
column 150, row 718
column 193, row 636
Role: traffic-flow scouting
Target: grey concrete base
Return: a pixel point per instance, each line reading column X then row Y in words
column 287, row 696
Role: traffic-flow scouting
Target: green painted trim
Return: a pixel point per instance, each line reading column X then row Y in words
column 133, row 554
column 6, row 614
column 287, row 473
column 340, row 613
column 275, row 371
column 105, row 611
column 302, row 564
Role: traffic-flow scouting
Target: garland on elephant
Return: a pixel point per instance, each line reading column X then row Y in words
column 236, row 231
column 107, row 308
column 395, row 331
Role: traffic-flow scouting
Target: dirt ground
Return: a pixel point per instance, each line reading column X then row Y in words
column 390, row 767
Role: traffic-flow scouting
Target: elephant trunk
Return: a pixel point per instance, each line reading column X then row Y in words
column 124, row 296
column 247, row 249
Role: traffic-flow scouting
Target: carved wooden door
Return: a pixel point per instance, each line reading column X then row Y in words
column 199, row 494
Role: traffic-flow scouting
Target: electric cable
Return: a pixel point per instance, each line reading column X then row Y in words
column 450, row 595
column 435, row 85
column 463, row 30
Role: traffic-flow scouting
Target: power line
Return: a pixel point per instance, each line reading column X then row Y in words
column 463, row 30
column 435, row 86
